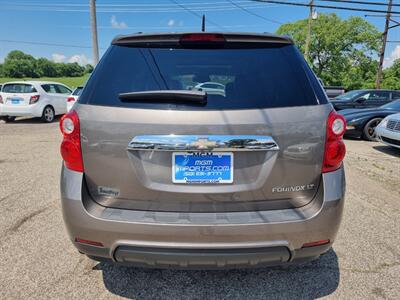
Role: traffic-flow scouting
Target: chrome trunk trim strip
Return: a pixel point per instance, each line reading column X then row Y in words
column 203, row 143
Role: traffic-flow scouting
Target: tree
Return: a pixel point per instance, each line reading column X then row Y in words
column 341, row 51
column 73, row 70
column 88, row 69
column 391, row 76
column 19, row 55
column 46, row 67
column 18, row 64
column 19, row 68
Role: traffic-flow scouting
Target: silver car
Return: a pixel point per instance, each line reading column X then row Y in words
column 157, row 174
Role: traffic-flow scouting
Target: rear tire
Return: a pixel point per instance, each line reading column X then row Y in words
column 8, row 119
column 48, row 114
column 369, row 129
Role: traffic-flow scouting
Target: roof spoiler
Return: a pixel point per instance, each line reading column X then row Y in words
column 170, row 39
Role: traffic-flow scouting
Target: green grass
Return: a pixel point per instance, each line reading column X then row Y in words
column 69, row 81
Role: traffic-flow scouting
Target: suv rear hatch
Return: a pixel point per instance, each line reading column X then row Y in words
column 263, row 119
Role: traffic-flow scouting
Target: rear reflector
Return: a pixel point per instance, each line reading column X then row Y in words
column 202, row 37
column 317, row 243
column 88, row 242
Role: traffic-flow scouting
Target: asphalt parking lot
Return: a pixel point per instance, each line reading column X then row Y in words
column 38, row 261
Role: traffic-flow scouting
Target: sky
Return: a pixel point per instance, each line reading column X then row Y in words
column 60, row 29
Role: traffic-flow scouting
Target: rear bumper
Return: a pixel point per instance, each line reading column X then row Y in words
column 34, row 110
column 202, row 240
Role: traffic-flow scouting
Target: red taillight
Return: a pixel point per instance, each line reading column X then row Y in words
column 335, row 149
column 71, row 144
column 34, row 99
column 202, row 37
column 70, row 99
column 88, row 242
column 1, row 99
column 317, row 243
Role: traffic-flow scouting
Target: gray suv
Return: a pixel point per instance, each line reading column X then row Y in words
column 159, row 173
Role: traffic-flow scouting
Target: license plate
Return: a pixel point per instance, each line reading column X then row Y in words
column 202, row 167
column 14, row 101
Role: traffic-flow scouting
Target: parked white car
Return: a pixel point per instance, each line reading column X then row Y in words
column 213, row 88
column 388, row 130
column 42, row 99
column 73, row 97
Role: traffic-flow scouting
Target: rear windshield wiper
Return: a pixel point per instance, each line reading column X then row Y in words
column 172, row 96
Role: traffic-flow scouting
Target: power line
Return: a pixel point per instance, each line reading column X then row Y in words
column 138, row 5
column 148, row 8
column 46, row 44
column 196, row 14
column 162, row 6
column 253, row 13
column 121, row 10
column 115, row 5
column 327, row 6
column 376, row 16
column 359, row 2
column 144, row 28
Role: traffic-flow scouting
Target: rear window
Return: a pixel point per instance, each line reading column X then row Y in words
column 245, row 78
column 21, row 88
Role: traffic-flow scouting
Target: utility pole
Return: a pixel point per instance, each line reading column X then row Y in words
column 308, row 38
column 382, row 53
column 93, row 24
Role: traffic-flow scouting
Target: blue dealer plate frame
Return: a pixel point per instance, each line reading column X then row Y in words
column 202, row 167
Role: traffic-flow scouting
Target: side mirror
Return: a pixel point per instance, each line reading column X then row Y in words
column 360, row 100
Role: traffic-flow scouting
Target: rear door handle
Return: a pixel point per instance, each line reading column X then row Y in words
column 203, row 143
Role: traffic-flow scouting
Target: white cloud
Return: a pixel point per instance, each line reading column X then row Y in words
column 77, row 58
column 116, row 24
column 395, row 54
column 171, row 22
column 80, row 59
column 58, row 58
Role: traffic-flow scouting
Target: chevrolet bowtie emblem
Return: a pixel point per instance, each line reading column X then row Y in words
column 204, row 143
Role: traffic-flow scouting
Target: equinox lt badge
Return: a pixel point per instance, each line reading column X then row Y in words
column 108, row 191
column 294, row 188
